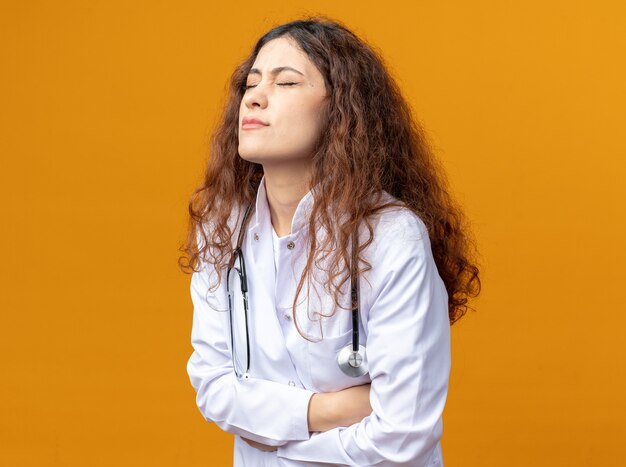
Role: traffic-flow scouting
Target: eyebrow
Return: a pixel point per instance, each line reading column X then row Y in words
column 275, row 71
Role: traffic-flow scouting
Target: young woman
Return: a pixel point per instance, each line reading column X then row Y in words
column 328, row 262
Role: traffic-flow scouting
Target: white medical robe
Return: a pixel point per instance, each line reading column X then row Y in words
column 403, row 324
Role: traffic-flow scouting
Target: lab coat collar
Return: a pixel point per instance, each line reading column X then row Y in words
column 262, row 210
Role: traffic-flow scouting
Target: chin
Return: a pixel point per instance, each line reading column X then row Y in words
column 251, row 156
column 268, row 157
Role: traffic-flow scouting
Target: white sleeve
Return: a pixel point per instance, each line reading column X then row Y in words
column 265, row 411
column 408, row 351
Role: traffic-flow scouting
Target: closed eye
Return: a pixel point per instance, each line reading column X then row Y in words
column 248, row 86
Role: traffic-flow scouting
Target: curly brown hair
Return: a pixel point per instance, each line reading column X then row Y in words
column 371, row 138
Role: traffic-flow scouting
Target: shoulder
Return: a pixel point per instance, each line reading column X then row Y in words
column 400, row 256
column 210, row 223
column 400, row 241
column 397, row 224
column 216, row 237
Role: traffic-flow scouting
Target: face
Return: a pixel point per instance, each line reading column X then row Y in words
column 287, row 93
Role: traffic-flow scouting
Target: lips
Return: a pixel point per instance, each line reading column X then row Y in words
column 252, row 122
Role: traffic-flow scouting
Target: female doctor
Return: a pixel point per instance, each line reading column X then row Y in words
column 328, row 262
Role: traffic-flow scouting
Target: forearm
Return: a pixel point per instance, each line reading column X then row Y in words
column 263, row 410
column 320, row 416
column 342, row 408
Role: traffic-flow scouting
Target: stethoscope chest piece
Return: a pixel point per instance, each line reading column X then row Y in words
column 353, row 363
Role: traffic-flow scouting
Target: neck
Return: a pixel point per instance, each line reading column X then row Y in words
column 285, row 187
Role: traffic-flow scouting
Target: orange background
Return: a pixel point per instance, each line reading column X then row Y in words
column 105, row 113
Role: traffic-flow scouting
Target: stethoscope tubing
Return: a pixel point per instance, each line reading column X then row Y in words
column 351, row 359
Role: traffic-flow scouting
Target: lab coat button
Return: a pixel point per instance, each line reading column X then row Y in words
column 256, row 237
column 291, row 245
column 287, row 317
column 291, row 383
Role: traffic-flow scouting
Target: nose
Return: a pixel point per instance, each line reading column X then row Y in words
column 255, row 97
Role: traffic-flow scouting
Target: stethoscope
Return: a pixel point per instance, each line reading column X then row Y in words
column 352, row 359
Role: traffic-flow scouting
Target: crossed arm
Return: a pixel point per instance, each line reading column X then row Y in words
column 408, row 333
column 265, row 413
column 331, row 410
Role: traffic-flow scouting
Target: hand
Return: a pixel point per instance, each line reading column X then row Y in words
column 260, row 446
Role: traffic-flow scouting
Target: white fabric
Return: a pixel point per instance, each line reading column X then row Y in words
column 404, row 326
column 276, row 246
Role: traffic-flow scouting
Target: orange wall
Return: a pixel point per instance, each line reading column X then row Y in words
column 104, row 117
